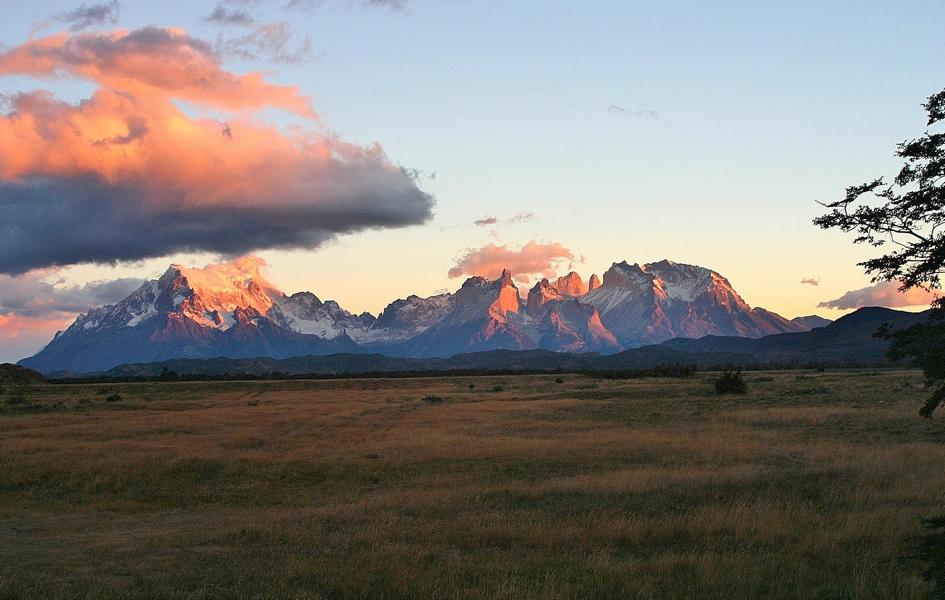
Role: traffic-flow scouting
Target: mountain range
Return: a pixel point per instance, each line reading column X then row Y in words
column 847, row 342
column 231, row 310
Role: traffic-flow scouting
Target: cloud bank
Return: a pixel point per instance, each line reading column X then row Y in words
column 530, row 260
column 126, row 174
column 36, row 305
column 885, row 293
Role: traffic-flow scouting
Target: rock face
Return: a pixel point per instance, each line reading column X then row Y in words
column 658, row 301
column 231, row 310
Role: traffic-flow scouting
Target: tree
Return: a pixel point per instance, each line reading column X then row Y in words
column 906, row 216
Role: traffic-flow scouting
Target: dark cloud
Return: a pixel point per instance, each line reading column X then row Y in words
column 815, row 280
column 90, row 15
column 52, row 221
column 485, row 221
column 639, row 112
column 127, row 175
column 33, row 295
column 885, row 293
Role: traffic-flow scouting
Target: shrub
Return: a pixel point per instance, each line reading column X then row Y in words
column 731, row 382
column 559, row 379
column 113, row 398
column 498, row 389
column 433, row 400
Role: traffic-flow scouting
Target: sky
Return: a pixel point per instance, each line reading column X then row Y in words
column 371, row 149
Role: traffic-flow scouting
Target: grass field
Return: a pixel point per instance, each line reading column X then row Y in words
column 812, row 485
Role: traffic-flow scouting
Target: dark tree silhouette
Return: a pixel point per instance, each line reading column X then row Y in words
column 906, row 216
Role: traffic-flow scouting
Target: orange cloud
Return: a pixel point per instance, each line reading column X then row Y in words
column 885, row 293
column 531, row 259
column 126, row 174
column 151, row 61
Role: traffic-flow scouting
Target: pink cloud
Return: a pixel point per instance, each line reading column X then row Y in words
column 151, row 61
column 530, row 260
column 885, row 293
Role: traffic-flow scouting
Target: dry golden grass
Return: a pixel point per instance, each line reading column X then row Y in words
column 812, row 485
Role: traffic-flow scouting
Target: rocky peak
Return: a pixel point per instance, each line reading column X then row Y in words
column 571, row 285
column 505, row 279
column 593, row 283
column 624, row 275
column 542, row 293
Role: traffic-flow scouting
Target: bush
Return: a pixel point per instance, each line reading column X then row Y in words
column 113, row 398
column 433, row 400
column 559, row 379
column 498, row 389
column 731, row 382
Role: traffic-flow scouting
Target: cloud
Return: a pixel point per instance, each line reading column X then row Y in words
column 394, row 5
column 639, row 112
column 389, row 4
column 271, row 42
column 815, row 280
column 885, row 293
column 222, row 15
column 522, row 217
column 35, row 305
column 530, row 260
column 24, row 336
column 90, row 15
column 151, row 63
column 34, row 295
column 126, row 174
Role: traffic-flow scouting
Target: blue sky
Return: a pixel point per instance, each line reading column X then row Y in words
column 700, row 132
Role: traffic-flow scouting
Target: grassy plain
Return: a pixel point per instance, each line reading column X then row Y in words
column 812, row 485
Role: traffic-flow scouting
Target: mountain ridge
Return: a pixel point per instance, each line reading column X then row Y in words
column 231, row 309
column 848, row 342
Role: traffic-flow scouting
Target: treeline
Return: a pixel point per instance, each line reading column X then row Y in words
column 168, row 375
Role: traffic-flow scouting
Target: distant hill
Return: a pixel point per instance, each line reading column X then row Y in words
column 812, row 321
column 17, row 374
column 846, row 342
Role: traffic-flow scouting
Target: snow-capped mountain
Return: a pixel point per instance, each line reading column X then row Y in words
column 232, row 310
column 658, row 301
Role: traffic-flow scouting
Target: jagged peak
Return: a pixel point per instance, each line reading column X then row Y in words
column 505, row 279
column 475, row 281
column 571, row 285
